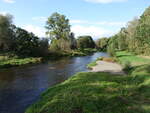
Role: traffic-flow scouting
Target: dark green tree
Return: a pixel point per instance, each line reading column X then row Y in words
column 85, row 42
column 5, row 32
column 58, row 26
column 102, row 43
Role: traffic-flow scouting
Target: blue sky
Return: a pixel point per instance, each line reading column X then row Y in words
column 97, row 18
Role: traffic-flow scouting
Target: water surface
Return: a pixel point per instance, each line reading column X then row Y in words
column 22, row 86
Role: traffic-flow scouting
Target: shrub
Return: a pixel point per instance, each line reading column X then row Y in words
column 127, row 66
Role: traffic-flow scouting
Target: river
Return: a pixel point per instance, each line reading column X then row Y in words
column 22, row 86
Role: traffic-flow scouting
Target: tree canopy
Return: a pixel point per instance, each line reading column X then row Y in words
column 58, row 26
column 135, row 37
column 85, row 42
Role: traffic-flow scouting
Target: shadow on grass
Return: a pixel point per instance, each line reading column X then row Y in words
column 123, row 55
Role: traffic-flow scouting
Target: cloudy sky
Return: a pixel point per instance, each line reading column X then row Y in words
column 97, row 18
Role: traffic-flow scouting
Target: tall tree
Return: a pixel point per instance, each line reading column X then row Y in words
column 58, row 26
column 5, row 32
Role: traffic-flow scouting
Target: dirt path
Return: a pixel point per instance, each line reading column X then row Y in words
column 103, row 66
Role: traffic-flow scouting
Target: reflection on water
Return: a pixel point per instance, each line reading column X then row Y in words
column 21, row 86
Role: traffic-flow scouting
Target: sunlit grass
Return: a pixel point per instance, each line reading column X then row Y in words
column 98, row 92
column 7, row 61
column 135, row 60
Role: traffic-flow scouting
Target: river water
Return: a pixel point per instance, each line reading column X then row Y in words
column 22, row 86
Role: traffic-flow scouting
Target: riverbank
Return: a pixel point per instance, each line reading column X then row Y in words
column 8, row 60
column 101, row 92
column 103, row 66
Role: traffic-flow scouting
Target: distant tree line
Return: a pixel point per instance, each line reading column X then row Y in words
column 62, row 39
column 20, row 41
column 23, row 43
column 135, row 37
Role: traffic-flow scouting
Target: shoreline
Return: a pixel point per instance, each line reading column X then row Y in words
column 103, row 66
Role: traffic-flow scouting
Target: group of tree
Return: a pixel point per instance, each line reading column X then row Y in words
column 135, row 37
column 102, row 43
column 19, row 41
column 62, row 39
column 23, row 43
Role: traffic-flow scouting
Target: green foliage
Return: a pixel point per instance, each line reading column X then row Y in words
column 60, row 45
column 5, row 32
column 58, row 29
column 58, row 26
column 134, row 60
column 92, row 64
column 127, row 66
column 19, row 41
column 102, row 44
column 89, row 92
column 10, row 60
column 111, row 49
column 85, row 42
column 135, row 37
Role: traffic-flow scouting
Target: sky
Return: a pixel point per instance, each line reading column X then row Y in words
column 98, row 18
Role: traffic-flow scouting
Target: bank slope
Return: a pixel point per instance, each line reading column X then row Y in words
column 98, row 92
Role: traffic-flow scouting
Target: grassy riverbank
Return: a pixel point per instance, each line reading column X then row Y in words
column 135, row 60
column 10, row 60
column 98, row 92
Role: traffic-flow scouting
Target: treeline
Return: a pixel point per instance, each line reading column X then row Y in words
column 19, row 41
column 135, row 37
column 62, row 39
column 59, row 38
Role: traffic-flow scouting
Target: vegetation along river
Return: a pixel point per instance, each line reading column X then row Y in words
column 22, row 86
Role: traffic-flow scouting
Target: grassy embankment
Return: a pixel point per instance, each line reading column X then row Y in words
column 97, row 92
column 71, row 53
column 94, row 63
column 10, row 60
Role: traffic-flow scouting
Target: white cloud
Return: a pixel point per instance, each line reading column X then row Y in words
column 9, row 1
column 104, row 1
column 94, row 31
column 78, row 21
column 3, row 13
column 105, row 23
column 41, row 19
column 39, row 31
column 112, row 23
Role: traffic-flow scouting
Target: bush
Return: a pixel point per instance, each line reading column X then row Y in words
column 127, row 66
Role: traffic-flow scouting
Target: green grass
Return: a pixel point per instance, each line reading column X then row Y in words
column 98, row 92
column 71, row 53
column 135, row 60
column 7, row 60
column 94, row 63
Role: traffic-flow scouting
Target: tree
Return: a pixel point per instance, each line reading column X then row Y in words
column 26, row 43
column 122, row 44
column 135, row 37
column 102, row 43
column 131, row 30
column 58, row 27
column 85, row 42
column 5, row 32
column 73, row 42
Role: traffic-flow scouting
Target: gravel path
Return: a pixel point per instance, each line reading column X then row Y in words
column 103, row 66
